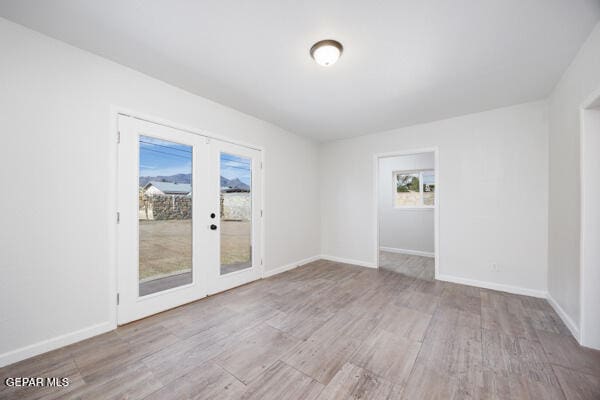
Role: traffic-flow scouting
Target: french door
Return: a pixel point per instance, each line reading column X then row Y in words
column 235, row 192
column 189, row 217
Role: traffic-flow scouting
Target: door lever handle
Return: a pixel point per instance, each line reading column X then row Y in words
column 213, row 227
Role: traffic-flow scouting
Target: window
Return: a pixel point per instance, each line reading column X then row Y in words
column 414, row 189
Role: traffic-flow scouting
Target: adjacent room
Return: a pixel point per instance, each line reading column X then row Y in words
column 390, row 200
column 406, row 214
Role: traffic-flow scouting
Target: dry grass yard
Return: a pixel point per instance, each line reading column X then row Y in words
column 166, row 246
column 236, row 242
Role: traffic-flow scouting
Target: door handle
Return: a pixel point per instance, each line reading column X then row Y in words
column 213, row 227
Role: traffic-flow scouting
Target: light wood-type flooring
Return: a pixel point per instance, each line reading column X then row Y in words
column 330, row 331
column 409, row 265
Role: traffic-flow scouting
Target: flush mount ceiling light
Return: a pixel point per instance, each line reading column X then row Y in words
column 326, row 52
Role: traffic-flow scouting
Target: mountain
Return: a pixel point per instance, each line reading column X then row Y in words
column 187, row 178
column 235, row 184
column 179, row 178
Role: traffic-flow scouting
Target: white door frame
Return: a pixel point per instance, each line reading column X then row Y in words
column 113, row 193
column 589, row 323
column 436, row 217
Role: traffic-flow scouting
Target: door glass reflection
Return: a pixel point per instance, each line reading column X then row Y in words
column 236, row 213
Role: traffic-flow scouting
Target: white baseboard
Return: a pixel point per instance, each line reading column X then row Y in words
column 494, row 286
column 54, row 343
column 565, row 318
column 410, row 252
column 289, row 266
column 349, row 261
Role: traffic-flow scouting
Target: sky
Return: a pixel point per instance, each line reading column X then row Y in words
column 428, row 177
column 233, row 166
column 163, row 158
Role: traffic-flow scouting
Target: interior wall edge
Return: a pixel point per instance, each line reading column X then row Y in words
column 564, row 209
column 573, row 327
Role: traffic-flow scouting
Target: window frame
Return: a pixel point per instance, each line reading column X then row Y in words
column 420, row 172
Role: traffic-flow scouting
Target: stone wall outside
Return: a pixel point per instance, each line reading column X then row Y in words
column 171, row 207
column 236, row 206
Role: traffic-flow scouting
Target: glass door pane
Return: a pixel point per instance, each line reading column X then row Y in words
column 164, row 214
column 164, row 250
column 236, row 213
column 428, row 188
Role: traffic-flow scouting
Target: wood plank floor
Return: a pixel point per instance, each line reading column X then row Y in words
column 409, row 265
column 330, row 331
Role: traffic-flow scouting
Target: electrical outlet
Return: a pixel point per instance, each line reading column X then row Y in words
column 495, row 267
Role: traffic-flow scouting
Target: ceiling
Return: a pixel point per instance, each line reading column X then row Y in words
column 404, row 61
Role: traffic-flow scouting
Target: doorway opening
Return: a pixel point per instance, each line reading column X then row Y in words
column 407, row 193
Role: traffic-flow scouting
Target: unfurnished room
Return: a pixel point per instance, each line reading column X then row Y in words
column 312, row 200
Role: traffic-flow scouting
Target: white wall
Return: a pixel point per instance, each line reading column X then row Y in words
column 590, row 227
column 58, row 156
column 404, row 229
column 579, row 81
column 492, row 187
